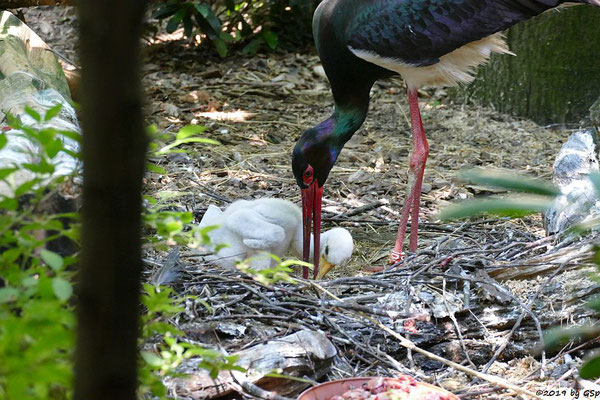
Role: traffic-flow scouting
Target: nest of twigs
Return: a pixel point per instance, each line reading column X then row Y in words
column 477, row 300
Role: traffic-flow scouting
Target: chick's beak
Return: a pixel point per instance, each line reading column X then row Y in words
column 311, row 212
column 324, row 267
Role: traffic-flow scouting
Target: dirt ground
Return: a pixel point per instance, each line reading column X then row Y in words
column 256, row 107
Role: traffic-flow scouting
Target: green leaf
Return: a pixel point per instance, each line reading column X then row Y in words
column 151, row 130
column 161, row 328
column 270, row 38
column 152, row 358
column 10, row 255
column 226, row 37
column 8, row 203
column 13, row 121
column 26, row 186
column 32, row 113
column 151, row 200
column 53, row 112
column 555, row 338
column 167, row 149
column 62, row 288
column 8, row 294
column 52, row 259
column 200, row 140
column 3, row 140
column 509, row 181
column 5, row 172
column 221, row 47
column 76, row 136
column 155, row 168
column 46, row 135
column 252, row 47
column 173, row 23
column 590, row 368
column 189, row 130
column 210, row 17
column 43, row 167
column 188, row 25
column 594, row 303
column 166, row 11
column 275, row 374
column 509, row 207
column 52, row 148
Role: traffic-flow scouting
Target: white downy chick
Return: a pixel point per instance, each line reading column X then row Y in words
column 269, row 225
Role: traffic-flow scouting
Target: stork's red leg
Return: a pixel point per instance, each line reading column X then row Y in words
column 418, row 158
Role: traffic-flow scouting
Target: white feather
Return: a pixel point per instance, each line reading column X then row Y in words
column 455, row 67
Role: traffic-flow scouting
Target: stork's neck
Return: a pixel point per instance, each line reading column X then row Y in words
column 321, row 145
column 339, row 128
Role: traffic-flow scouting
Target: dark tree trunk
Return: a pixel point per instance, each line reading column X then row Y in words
column 556, row 74
column 114, row 144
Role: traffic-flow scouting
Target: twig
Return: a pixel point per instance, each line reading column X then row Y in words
column 486, row 377
column 254, row 390
column 456, row 326
column 409, row 345
column 501, row 348
column 360, row 210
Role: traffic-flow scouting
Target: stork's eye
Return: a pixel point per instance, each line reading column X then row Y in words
column 307, row 176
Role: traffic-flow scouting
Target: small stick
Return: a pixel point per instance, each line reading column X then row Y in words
column 456, row 325
column 486, row 377
column 361, row 209
column 500, row 349
column 409, row 345
column 254, row 390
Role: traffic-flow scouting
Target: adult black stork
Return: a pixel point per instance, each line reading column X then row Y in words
column 427, row 42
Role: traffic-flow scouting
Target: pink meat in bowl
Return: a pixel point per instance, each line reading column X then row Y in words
column 403, row 387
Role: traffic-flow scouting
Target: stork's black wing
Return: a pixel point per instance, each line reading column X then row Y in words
column 419, row 32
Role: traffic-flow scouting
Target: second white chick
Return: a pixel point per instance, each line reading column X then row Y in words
column 273, row 226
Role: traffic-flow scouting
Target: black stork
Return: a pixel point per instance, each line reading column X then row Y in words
column 427, row 42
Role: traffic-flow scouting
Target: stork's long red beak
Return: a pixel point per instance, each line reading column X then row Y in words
column 311, row 212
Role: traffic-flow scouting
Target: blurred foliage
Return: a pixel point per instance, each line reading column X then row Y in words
column 37, row 296
column 37, row 313
column 278, row 273
column 536, row 196
column 37, row 332
column 162, row 303
column 253, row 24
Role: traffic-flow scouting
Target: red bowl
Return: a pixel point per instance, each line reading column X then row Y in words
column 328, row 389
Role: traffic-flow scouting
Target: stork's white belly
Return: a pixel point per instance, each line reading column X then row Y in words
column 453, row 68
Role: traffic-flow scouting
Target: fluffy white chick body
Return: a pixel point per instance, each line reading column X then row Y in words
column 250, row 228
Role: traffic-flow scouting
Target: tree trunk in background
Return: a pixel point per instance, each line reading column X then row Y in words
column 556, row 74
column 114, row 144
